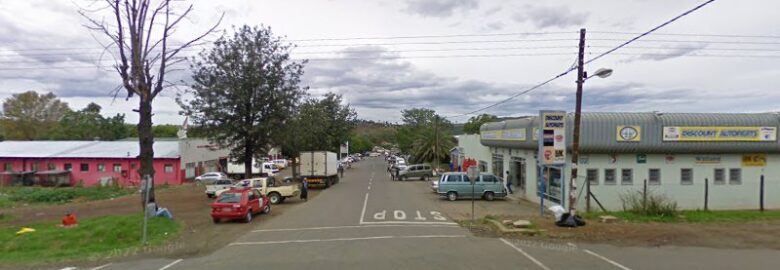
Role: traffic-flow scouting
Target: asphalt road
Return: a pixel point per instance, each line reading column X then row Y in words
column 370, row 222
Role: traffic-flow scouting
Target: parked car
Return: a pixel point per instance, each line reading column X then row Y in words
column 268, row 186
column 210, row 177
column 281, row 163
column 239, row 203
column 455, row 185
column 421, row 171
column 212, row 188
column 435, row 184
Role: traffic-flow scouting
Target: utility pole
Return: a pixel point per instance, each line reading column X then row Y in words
column 436, row 143
column 575, row 153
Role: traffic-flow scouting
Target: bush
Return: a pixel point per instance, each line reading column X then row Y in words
column 63, row 195
column 657, row 205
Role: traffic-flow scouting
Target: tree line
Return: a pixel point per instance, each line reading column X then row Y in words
column 36, row 116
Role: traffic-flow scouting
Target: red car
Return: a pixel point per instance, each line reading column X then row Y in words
column 239, row 203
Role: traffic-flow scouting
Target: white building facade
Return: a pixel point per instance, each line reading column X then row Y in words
column 682, row 156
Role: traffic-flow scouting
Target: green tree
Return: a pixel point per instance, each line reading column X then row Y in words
column 475, row 122
column 88, row 124
column 29, row 115
column 245, row 89
column 319, row 124
column 165, row 131
column 359, row 144
column 425, row 135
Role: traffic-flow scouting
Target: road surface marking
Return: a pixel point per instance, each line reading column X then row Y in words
column 344, row 239
column 363, row 213
column 606, row 260
column 101, row 267
column 171, row 264
column 422, row 224
column 537, row 262
column 407, row 222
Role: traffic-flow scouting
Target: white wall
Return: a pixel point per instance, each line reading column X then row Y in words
column 721, row 196
column 473, row 148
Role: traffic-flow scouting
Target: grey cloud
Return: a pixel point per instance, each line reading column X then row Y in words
column 393, row 85
column 557, row 16
column 672, row 52
column 495, row 26
column 439, row 8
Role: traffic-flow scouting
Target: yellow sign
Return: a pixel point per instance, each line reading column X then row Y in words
column 515, row 134
column 754, row 160
column 629, row 133
column 720, row 134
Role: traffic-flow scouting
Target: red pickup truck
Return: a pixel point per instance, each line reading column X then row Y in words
column 239, row 203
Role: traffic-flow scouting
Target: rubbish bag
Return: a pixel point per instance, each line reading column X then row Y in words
column 558, row 211
column 566, row 221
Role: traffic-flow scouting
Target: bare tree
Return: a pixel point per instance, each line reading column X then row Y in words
column 140, row 42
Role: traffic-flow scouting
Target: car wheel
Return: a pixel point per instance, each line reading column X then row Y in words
column 267, row 209
column 216, row 220
column 489, row 196
column 275, row 198
column 452, row 196
column 248, row 217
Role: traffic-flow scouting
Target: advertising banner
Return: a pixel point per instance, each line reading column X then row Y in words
column 754, row 160
column 553, row 135
column 720, row 134
column 628, row 133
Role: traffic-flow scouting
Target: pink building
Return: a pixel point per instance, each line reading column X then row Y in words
column 86, row 162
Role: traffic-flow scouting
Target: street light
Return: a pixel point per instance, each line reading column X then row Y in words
column 601, row 73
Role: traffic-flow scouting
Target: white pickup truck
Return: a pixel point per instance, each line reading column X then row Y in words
column 270, row 187
column 217, row 185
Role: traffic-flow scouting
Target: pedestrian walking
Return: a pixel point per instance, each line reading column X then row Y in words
column 508, row 182
column 341, row 170
column 397, row 172
column 304, row 190
column 392, row 173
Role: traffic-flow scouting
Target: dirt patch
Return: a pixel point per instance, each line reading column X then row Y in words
column 755, row 234
column 188, row 203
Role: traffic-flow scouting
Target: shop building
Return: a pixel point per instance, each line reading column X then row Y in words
column 683, row 156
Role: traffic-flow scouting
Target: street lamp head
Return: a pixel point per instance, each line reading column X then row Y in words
column 603, row 72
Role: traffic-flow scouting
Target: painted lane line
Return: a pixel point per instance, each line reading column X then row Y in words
column 537, row 262
column 171, row 264
column 100, row 267
column 343, row 239
column 353, row 227
column 408, row 222
column 606, row 260
column 363, row 213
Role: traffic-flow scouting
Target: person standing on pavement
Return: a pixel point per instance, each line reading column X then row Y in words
column 508, row 182
column 341, row 170
column 304, row 190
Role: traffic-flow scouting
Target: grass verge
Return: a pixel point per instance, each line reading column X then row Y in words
column 94, row 237
column 696, row 216
column 13, row 196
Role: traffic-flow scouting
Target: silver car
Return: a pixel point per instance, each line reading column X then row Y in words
column 210, row 177
column 416, row 171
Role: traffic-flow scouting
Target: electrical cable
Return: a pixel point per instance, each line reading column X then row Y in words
column 589, row 61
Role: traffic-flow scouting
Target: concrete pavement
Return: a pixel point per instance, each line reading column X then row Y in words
column 369, row 222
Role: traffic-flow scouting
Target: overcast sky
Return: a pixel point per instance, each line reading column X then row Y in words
column 724, row 61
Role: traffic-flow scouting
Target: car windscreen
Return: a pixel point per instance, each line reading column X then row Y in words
column 224, row 182
column 229, row 197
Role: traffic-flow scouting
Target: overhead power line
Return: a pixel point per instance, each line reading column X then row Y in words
column 537, row 86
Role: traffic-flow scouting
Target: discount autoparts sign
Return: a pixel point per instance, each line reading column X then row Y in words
column 720, row 134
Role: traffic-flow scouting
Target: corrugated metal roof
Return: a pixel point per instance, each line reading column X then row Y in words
column 83, row 149
column 599, row 132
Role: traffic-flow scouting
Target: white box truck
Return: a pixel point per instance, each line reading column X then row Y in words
column 319, row 167
column 236, row 170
